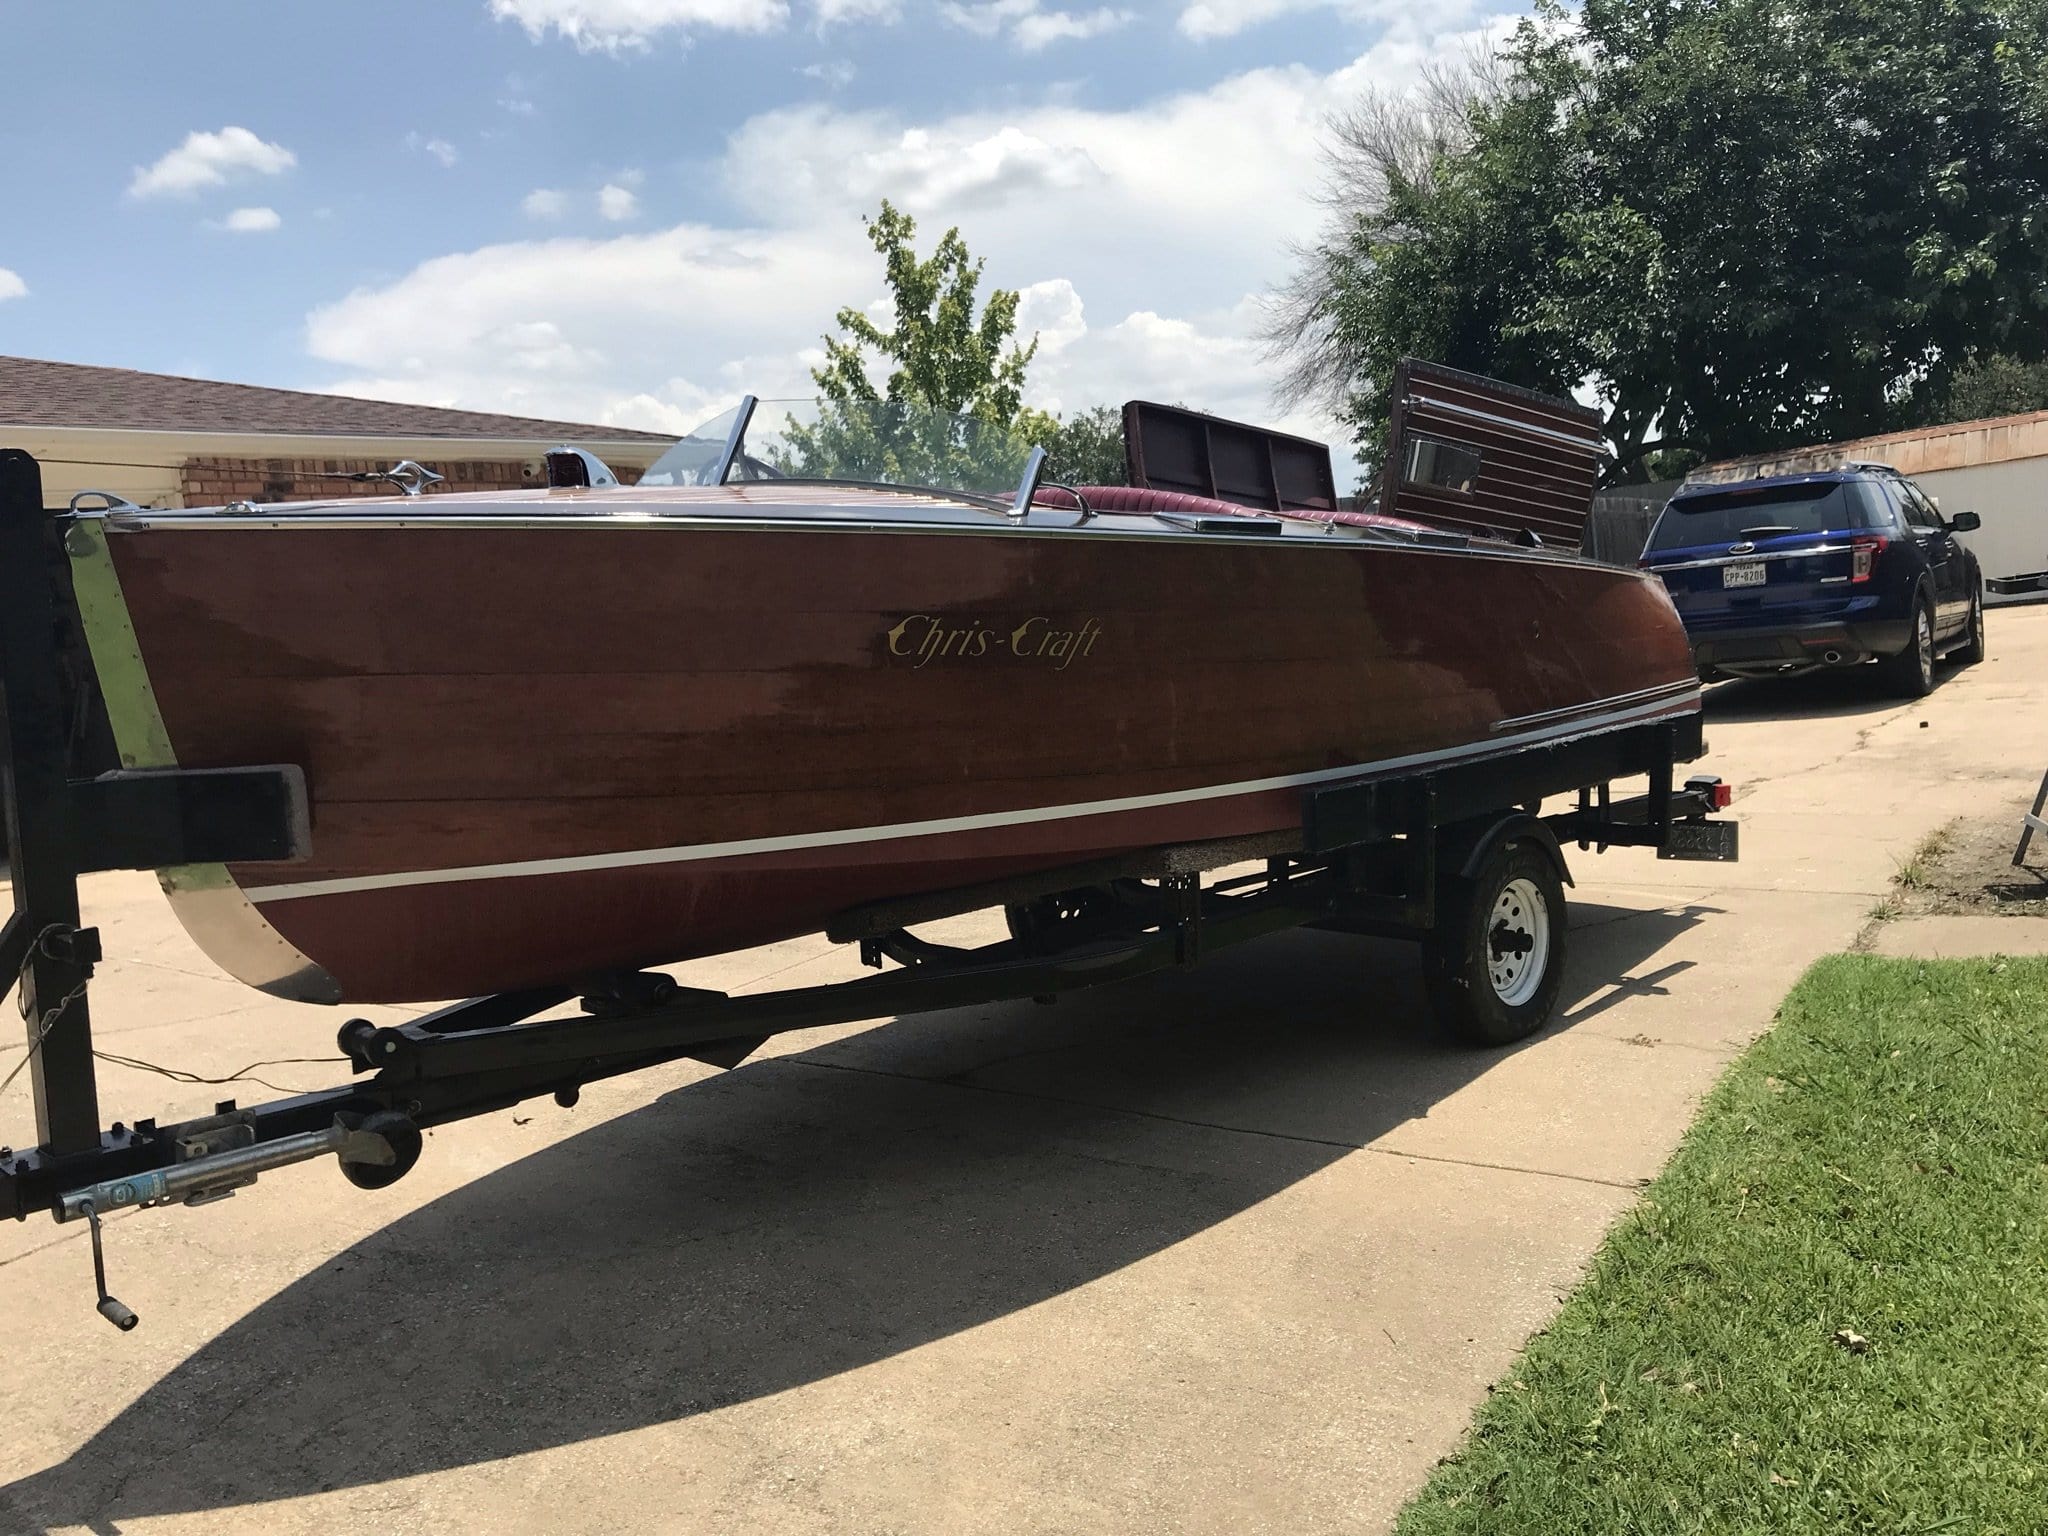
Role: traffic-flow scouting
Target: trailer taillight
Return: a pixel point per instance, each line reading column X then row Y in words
column 1863, row 553
column 1712, row 790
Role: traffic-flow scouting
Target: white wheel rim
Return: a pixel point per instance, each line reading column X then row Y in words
column 1923, row 637
column 1518, row 942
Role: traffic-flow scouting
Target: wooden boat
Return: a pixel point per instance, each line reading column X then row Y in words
column 552, row 734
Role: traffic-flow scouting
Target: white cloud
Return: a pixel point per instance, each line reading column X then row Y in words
column 1254, row 136
column 544, row 203
column 1031, row 28
column 619, row 314
column 1137, row 281
column 210, row 160
column 617, row 203
column 616, row 25
column 1043, row 28
column 927, row 168
column 1205, row 20
column 11, row 285
column 987, row 18
column 835, row 74
column 251, row 221
column 833, row 12
column 439, row 149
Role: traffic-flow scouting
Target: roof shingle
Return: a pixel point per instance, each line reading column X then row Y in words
column 36, row 392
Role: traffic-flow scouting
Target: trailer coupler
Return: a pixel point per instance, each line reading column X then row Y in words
column 373, row 1150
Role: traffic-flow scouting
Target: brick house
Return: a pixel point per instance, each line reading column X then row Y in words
column 164, row 441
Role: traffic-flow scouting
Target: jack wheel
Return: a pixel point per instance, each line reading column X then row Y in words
column 404, row 1139
column 1495, row 963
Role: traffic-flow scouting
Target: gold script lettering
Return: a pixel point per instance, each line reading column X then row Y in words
column 927, row 638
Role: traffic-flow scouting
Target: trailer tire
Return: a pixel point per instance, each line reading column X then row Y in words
column 1495, row 961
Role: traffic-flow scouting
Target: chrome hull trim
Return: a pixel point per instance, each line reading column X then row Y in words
column 1684, row 700
column 1296, row 534
column 204, row 897
column 1667, row 691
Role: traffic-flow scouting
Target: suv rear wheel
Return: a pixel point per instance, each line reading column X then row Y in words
column 1972, row 649
column 1911, row 672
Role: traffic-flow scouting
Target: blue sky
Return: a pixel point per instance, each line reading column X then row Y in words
column 629, row 211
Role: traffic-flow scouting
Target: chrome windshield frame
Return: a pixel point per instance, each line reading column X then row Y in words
column 741, row 420
column 1027, row 488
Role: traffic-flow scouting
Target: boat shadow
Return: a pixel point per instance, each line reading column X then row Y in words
column 797, row 1218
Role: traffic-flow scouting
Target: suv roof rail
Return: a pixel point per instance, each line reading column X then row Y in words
column 1869, row 465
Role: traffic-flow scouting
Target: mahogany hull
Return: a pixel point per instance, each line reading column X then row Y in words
column 536, row 750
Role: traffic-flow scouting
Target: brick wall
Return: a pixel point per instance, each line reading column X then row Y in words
column 211, row 482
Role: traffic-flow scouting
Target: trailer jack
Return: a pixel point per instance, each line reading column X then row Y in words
column 374, row 1150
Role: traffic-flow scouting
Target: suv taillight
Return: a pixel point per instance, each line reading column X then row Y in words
column 1863, row 552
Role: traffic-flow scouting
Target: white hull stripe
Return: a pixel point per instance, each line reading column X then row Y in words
column 1677, row 702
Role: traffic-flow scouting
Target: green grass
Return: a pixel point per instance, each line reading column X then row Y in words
column 1878, row 1164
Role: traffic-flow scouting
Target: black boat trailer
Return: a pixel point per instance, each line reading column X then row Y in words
column 1414, row 855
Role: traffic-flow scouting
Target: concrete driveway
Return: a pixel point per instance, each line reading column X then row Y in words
column 1228, row 1251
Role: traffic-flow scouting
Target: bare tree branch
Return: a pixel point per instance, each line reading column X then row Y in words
column 1387, row 139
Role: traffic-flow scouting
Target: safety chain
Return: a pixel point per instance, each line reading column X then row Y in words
column 42, row 946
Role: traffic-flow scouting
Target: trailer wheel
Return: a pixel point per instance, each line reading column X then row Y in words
column 1495, row 962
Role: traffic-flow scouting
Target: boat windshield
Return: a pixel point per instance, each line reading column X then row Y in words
column 877, row 442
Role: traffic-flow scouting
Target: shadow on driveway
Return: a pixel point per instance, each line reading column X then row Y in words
column 1837, row 694
column 799, row 1217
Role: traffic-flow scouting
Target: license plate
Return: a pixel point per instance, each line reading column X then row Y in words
column 1707, row 841
column 1750, row 573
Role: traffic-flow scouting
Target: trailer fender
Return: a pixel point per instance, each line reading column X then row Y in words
column 1466, row 847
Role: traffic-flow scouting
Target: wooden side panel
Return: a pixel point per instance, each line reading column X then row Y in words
column 1469, row 452
column 479, row 696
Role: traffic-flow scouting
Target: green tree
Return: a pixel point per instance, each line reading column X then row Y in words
column 1994, row 385
column 947, row 410
column 1742, row 224
column 1085, row 449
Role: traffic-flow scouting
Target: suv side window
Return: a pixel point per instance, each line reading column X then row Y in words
column 1920, row 513
column 1879, row 509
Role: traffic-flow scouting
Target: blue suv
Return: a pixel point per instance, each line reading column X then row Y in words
column 1829, row 569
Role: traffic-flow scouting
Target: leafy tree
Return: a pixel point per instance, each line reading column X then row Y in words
column 1741, row 224
column 1085, row 449
column 944, row 362
column 1995, row 385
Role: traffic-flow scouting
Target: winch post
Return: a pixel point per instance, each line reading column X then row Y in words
column 50, row 957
